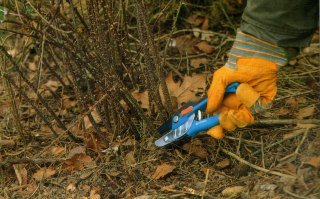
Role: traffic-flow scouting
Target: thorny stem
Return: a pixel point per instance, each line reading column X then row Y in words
column 96, row 55
column 15, row 111
column 150, row 67
column 60, row 124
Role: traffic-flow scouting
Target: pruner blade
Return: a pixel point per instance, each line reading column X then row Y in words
column 175, row 134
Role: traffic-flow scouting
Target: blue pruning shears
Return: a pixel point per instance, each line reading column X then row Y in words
column 188, row 122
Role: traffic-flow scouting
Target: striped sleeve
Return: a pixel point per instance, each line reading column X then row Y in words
column 246, row 45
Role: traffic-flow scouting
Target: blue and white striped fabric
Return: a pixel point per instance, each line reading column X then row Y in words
column 247, row 45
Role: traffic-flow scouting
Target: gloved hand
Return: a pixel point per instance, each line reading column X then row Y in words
column 254, row 64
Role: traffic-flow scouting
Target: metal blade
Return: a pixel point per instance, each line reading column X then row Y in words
column 167, row 126
column 175, row 134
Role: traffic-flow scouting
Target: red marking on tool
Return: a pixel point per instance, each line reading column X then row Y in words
column 186, row 110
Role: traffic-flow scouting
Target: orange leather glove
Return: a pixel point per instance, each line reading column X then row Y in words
column 254, row 64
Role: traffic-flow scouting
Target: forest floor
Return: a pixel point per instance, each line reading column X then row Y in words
column 277, row 157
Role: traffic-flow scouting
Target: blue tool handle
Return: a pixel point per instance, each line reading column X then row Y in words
column 232, row 88
column 203, row 125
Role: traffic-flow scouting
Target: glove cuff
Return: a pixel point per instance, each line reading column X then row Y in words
column 247, row 45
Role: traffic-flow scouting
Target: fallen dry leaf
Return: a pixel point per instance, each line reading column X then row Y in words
column 142, row 98
column 94, row 143
column 76, row 150
column 196, row 63
column 290, row 167
column 232, row 191
column 44, row 173
column 21, row 173
column 205, row 24
column 186, row 92
column 195, row 20
column 204, row 169
column 293, row 102
column 68, row 102
column 77, row 162
column 28, row 191
column 129, row 158
column 223, row 164
column 313, row 161
column 71, row 187
column 170, row 188
column 306, row 112
column 95, row 116
column 57, row 150
column 185, row 44
column 205, row 47
column 52, row 85
column 282, row 111
column 196, row 148
column 95, row 193
column 32, row 66
column 162, row 170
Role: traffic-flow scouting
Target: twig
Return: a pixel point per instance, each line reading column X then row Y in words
column 287, row 121
column 186, row 57
column 239, row 144
column 40, row 63
column 243, row 140
column 293, row 95
column 262, row 153
column 9, row 143
column 302, row 140
column 298, row 147
column 84, row 177
column 294, row 195
column 255, row 166
column 227, row 16
column 28, row 160
column 172, row 67
column 205, row 184
column 293, row 135
column 208, row 32
column 15, row 188
column 44, row 19
column 13, row 104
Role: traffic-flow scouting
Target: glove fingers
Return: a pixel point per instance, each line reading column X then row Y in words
column 253, row 100
column 264, row 73
column 232, row 101
column 232, row 119
column 226, row 122
column 217, row 88
column 247, row 95
column 242, row 117
column 216, row 132
column 257, row 72
column 267, row 90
